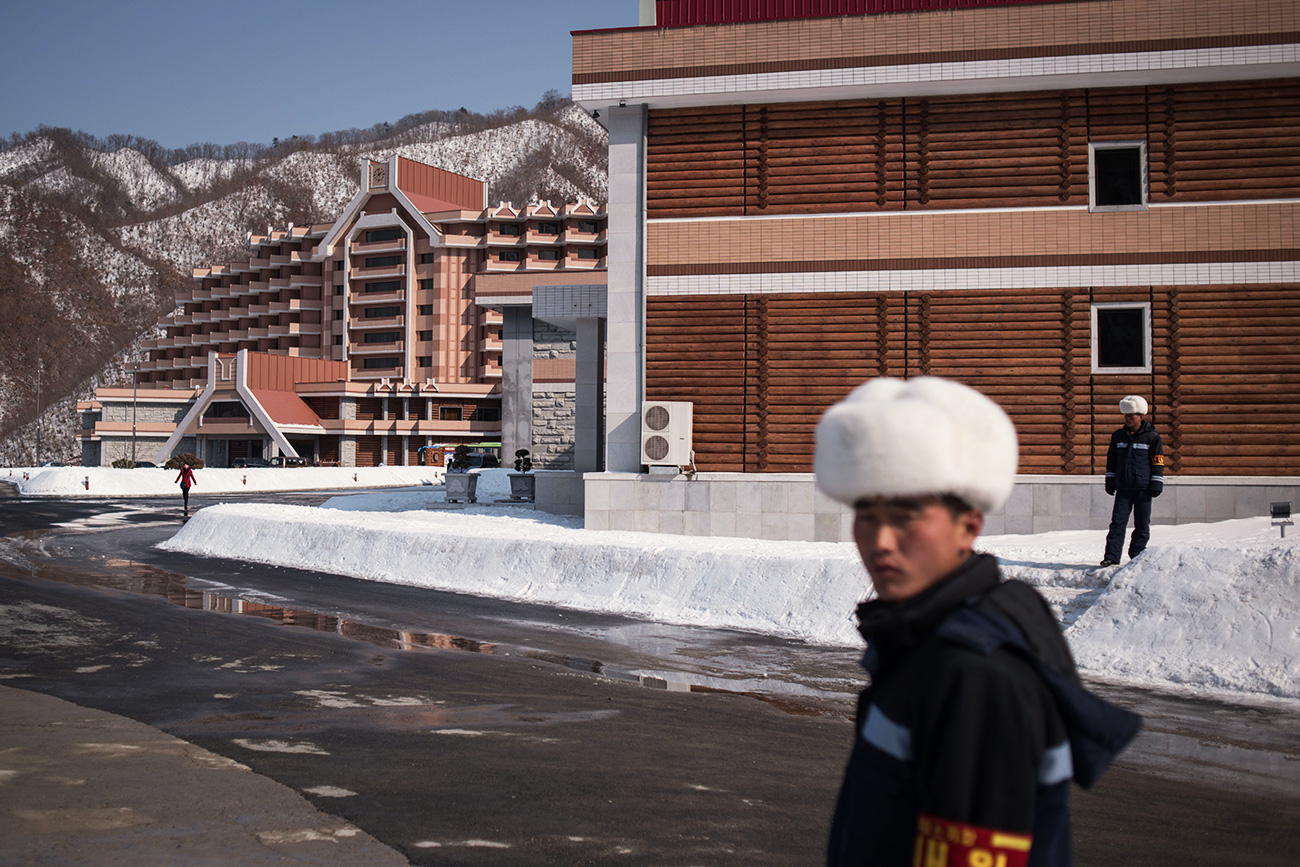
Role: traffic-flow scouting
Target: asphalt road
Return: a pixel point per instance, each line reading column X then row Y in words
column 467, row 731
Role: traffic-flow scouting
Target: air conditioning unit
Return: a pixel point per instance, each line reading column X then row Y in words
column 666, row 433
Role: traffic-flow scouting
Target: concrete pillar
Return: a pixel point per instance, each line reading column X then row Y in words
column 589, row 401
column 516, row 381
column 626, row 299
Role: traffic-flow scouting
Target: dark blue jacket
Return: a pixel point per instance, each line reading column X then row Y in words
column 1136, row 461
column 975, row 719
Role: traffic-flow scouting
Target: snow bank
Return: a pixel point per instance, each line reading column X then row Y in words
column 154, row 482
column 1203, row 617
column 800, row 590
column 1213, row 608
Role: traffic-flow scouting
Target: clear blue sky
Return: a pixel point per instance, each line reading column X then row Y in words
column 225, row 71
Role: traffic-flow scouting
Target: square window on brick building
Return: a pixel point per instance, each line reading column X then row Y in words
column 449, row 413
column 587, row 253
column 424, row 361
column 510, row 230
column 1121, row 338
column 425, row 335
column 338, row 266
column 508, row 256
column 587, row 226
column 338, row 290
column 426, row 258
column 548, row 228
column 548, row 255
column 426, row 284
column 338, row 315
column 1117, row 175
column 338, row 339
column 426, row 309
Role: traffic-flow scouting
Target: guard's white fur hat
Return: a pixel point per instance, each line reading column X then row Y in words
column 920, row 437
column 1133, row 403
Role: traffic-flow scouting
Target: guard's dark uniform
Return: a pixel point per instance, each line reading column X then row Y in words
column 1135, row 474
column 973, row 725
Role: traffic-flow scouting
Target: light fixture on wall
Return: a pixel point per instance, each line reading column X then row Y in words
column 595, row 115
column 622, row 103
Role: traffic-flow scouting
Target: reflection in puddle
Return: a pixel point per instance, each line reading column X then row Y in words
column 174, row 589
column 134, row 577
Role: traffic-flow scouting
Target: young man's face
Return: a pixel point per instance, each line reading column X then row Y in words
column 1132, row 420
column 908, row 544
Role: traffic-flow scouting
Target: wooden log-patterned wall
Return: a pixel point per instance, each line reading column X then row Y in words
column 1206, row 142
column 761, row 369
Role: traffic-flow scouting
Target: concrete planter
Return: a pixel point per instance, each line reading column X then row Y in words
column 523, row 486
column 462, row 488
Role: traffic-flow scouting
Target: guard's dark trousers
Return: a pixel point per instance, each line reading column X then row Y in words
column 1137, row 503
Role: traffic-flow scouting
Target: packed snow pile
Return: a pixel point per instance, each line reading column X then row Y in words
column 1211, row 607
column 84, row 482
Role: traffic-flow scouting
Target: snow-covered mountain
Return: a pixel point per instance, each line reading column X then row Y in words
column 97, row 236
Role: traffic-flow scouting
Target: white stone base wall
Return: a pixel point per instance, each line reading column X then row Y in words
column 787, row 506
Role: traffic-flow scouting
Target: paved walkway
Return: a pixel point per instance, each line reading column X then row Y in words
column 80, row 786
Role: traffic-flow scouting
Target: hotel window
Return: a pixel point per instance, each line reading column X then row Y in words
column 383, row 337
column 338, row 339
column 1121, row 338
column 587, row 253
column 426, row 284
column 424, row 361
column 510, row 230
column 383, row 261
column 338, row 266
column 1117, row 175
column 508, row 256
column 426, row 309
column 425, row 335
column 426, row 258
column 381, row 363
column 382, row 312
column 449, row 413
column 588, row 226
column 548, row 255
column 338, row 315
column 384, row 235
column 487, row 413
column 385, row 286
column 548, row 228
column 338, row 290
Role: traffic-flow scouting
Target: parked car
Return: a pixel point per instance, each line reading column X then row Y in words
column 145, row 465
column 285, row 461
column 245, row 463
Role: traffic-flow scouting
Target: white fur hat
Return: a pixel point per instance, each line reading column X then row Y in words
column 1133, row 403
column 925, row 436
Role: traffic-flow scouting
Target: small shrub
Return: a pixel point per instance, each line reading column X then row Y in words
column 123, row 464
column 460, row 459
column 175, row 462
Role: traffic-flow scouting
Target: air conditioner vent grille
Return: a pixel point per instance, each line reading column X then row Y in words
column 657, row 418
column 656, row 448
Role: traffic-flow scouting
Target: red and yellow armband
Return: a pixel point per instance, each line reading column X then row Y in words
column 941, row 843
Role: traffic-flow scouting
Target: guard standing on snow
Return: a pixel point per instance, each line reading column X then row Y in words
column 1135, row 474
column 186, row 478
column 975, row 720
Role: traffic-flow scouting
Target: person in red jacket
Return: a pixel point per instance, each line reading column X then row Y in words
column 975, row 720
column 186, row 479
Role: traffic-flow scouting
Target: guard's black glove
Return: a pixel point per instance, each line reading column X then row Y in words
column 1155, row 492
column 1110, row 488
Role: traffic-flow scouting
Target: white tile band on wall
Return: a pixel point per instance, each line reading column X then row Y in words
column 1089, row 65
column 1193, row 274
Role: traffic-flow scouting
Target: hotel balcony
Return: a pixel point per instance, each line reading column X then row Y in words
column 306, row 281
column 380, row 273
column 366, row 298
column 495, row 240
column 363, row 324
column 466, row 242
column 374, row 348
column 571, row 236
column 542, row 239
column 359, row 248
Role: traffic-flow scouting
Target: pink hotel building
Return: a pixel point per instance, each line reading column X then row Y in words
column 365, row 340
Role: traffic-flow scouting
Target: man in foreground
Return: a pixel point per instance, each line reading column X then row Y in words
column 975, row 720
column 1135, row 474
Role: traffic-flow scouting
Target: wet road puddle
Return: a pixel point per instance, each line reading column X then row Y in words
column 133, row 577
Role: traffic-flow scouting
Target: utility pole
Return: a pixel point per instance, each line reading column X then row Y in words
column 38, row 401
column 135, row 387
